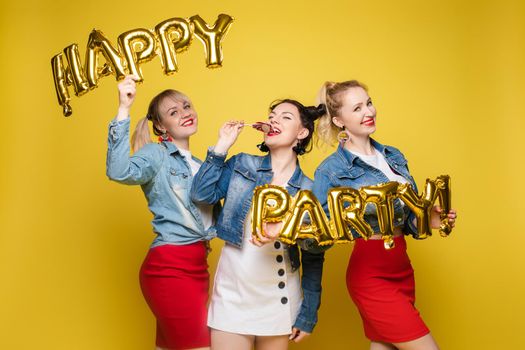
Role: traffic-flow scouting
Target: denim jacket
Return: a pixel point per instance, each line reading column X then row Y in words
column 165, row 177
column 344, row 169
column 234, row 180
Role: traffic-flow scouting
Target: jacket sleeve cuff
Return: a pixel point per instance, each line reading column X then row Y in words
column 118, row 128
column 312, row 246
column 215, row 158
column 304, row 325
column 307, row 318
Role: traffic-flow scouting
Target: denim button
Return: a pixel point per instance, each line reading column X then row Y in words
column 280, row 272
column 281, row 285
column 284, row 300
column 277, row 245
column 173, row 172
column 279, row 258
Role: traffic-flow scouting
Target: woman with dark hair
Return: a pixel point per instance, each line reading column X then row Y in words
column 174, row 276
column 259, row 298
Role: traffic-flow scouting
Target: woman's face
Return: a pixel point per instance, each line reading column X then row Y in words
column 287, row 127
column 178, row 118
column 358, row 114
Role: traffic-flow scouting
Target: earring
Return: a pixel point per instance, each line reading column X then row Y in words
column 262, row 147
column 165, row 137
column 299, row 149
column 343, row 136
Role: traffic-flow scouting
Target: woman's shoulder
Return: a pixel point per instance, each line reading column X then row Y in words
column 151, row 150
column 246, row 159
column 152, row 147
column 395, row 154
column 306, row 183
column 331, row 162
column 392, row 149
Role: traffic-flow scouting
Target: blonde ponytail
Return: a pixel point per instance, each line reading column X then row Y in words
column 326, row 131
column 141, row 135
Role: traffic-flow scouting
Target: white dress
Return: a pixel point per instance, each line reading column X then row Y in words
column 255, row 291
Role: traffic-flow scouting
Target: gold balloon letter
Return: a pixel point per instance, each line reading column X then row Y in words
column 421, row 206
column 383, row 196
column 318, row 228
column 443, row 188
column 211, row 37
column 341, row 217
column 270, row 204
column 174, row 36
column 98, row 43
column 60, row 77
column 76, row 70
column 138, row 46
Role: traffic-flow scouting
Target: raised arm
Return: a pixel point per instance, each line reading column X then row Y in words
column 120, row 166
column 210, row 184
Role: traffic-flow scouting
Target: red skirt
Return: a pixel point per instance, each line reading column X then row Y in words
column 381, row 284
column 174, row 281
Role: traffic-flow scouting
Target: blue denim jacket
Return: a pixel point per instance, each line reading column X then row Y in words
column 165, row 177
column 234, row 180
column 344, row 169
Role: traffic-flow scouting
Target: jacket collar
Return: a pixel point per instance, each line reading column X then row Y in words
column 349, row 157
column 295, row 180
column 170, row 147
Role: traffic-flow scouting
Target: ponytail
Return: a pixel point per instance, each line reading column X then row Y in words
column 141, row 135
column 326, row 131
column 331, row 95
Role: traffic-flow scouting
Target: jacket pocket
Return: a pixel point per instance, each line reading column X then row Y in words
column 179, row 180
column 351, row 174
column 244, row 172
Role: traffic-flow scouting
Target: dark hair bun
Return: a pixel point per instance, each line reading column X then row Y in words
column 316, row 112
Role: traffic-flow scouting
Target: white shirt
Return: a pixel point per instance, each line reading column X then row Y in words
column 377, row 160
column 205, row 209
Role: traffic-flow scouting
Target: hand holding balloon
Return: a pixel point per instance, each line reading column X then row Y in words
column 436, row 217
column 127, row 91
column 271, row 233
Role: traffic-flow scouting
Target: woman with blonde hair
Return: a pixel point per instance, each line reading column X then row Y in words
column 174, row 276
column 379, row 281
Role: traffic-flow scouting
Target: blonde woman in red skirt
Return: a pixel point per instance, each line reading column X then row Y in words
column 379, row 281
column 174, row 276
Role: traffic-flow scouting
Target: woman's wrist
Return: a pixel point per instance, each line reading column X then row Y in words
column 122, row 113
column 221, row 148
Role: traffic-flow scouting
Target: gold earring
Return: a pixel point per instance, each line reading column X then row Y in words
column 343, row 136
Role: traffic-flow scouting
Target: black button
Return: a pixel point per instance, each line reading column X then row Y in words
column 277, row 245
column 280, row 272
column 284, row 300
column 279, row 258
column 281, row 285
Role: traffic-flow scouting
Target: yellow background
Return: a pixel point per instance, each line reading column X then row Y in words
column 446, row 77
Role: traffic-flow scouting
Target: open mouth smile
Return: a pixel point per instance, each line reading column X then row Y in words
column 188, row 122
column 274, row 131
